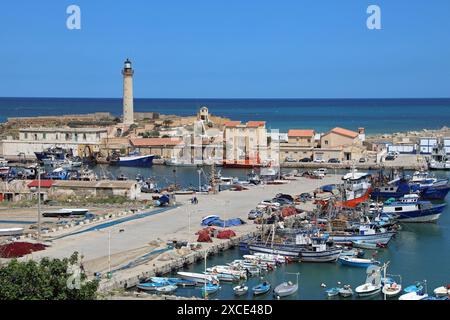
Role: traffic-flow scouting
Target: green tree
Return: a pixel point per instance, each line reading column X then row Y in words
column 44, row 280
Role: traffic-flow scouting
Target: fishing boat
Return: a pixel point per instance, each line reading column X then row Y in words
column 261, row 288
column 167, row 289
column 227, row 270
column 76, row 211
column 392, row 289
column 316, row 249
column 198, row 277
column 151, row 286
column 240, row 290
column 372, row 286
column 11, row 231
column 413, row 296
column 332, row 292
column 286, row 288
column 346, row 291
column 175, row 281
column 210, row 288
column 411, row 209
column 366, row 233
column 443, row 291
column 365, row 245
column 133, row 161
column 414, row 288
column 357, row 262
column 225, row 277
column 357, row 189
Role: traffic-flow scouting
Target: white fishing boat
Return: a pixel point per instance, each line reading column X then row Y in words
column 372, row 286
column 413, row 296
column 11, row 231
column 346, row 291
column 442, row 291
column 240, row 290
column 198, row 277
column 392, row 288
column 286, row 288
column 227, row 270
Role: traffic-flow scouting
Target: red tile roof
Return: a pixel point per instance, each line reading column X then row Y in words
column 232, row 123
column 255, row 124
column 345, row 132
column 301, row 133
column 44, row 184
column 151, row 142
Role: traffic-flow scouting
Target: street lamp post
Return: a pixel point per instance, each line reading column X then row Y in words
column 39, row 202
column 199, row 171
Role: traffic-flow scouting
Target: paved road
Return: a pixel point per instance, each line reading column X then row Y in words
column 174, row 223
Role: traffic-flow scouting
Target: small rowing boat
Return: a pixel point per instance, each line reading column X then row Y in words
column 261, row 288
column 240, row 290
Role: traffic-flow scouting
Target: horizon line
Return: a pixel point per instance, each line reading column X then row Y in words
column 216, row 98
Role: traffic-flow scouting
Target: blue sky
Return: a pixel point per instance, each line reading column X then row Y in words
column 226, row 49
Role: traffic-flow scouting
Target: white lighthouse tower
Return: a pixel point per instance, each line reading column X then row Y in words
column 128, row 113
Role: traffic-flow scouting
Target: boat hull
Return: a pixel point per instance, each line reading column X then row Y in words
column 276, row 250
column 138, row 161
column 325, row 256
column 356, row 201
column 428, row 215
column 382, row 238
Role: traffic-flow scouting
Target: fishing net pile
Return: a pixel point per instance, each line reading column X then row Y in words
column 19, row 249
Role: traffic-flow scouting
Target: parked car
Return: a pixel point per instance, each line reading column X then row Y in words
column 254, row 214
column 305, row 160
column 323, row 171
column 334, row 160
column 282, row 201
column 319, row 161
column 362, row 160
column 389, row 158
column 290, row 159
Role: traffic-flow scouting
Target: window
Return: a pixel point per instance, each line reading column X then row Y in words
column 309, row 140
column 76, row 136
column 98, row 135
column 84, row 136
column 44, row 136
column 56, row 136
column 35, row 136
column 398, row 208
column 326, row 142
column 26, row 135
column 67, row 136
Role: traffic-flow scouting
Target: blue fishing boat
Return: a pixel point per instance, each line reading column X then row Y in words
column 332, row 292
column 133, row 161
column 210, row 288
column 418, row 287
column 261, row 288
column 357, row 262
column 174, row 281
column 429, row 188
column 411, row 209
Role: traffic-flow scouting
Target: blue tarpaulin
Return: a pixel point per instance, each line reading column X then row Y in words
column 216, row 221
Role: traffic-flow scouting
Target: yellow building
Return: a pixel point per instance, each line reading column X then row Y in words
column 245, row 144
column 300, row 145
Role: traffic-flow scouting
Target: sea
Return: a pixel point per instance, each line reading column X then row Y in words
column 377, row 116
column 419, row 251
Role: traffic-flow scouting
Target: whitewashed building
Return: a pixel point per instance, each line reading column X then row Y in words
column 32, row 140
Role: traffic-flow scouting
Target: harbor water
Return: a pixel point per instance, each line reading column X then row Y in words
column 418, row 252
